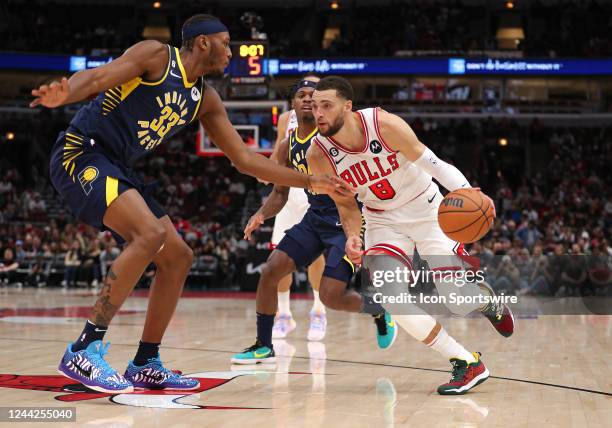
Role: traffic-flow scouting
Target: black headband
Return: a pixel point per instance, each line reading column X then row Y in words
column 305, row 84
column 209, row 26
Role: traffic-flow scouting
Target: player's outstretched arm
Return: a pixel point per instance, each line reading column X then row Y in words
column 145, row 57
column 399, row 136
column 274, row 202
column 214, row 119
column 350, row 215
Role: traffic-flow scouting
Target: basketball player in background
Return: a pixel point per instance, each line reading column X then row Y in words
column 319, row 232
column 143, row 98
column 290, row 215
column 380, row 156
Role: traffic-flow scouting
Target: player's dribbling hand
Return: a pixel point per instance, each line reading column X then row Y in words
column 325, row 184
column 490, row 200
column 255, row 221
column 51, row 95
column 354, row 249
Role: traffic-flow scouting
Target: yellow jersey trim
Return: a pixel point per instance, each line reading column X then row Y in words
column 305, row 139
column 112, row 190
column 289, row 139
column 180, row 64
column 157, row 82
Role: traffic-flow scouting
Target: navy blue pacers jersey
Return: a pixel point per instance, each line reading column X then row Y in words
column 132, row 119
column 91, row 162
column 297, row 159
column 319, row 231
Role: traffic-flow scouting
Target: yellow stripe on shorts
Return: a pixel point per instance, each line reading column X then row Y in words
column 349, row 262
column 112, row 190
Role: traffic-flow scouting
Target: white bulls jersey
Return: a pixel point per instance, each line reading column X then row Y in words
column 292, row 123
column 384, row 178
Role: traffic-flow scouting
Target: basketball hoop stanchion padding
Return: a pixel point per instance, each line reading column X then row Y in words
column 256, row 256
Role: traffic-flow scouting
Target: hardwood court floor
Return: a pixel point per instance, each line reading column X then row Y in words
column 554, row 371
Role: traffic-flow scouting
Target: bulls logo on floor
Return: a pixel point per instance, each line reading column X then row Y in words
column 161, row 399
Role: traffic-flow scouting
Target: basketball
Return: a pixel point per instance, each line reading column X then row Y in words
column 466, row 215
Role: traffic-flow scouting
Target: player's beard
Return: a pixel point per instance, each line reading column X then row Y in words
column 334, row 127
column 214, row 72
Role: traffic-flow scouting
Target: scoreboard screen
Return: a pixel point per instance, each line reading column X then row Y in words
column 248, row 58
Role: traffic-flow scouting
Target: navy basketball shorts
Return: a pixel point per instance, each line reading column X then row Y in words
column 314, row 235
column 88, row 180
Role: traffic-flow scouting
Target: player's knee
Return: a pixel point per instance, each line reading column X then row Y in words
column 267, row 271
column 277, row 266
column 186, row 255
column 329, row 297
column 152, row 239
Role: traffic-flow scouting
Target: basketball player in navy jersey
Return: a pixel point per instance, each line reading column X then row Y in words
column 143, row 98
column 289, row 216
column 319, row 232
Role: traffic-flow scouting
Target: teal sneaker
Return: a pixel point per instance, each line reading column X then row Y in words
column 254, row 355
column 386, row 330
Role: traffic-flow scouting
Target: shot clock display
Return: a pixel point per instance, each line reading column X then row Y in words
column 248, row 58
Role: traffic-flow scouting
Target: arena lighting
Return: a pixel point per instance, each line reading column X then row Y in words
column 509, row 5
column 10, row 136
column 334, row 5
column 157, row 4
column 503, row 142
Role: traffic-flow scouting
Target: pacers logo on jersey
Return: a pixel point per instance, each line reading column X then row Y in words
column 172, row 112
column 87, row 177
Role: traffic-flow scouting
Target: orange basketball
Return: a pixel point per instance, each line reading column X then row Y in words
column 465, row 215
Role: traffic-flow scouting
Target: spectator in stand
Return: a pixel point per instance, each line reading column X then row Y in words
column 8, row 268
column 108, row 256
column 90, row 263
column 540, row 274
column 574, row 274
column 600, row 270
column 72, row 262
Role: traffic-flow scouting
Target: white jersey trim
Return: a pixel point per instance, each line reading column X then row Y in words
column 379, row 134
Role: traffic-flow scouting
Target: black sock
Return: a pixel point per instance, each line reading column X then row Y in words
column 369, row 306
column 265, row 324
column 90, row 333
column 145, row 351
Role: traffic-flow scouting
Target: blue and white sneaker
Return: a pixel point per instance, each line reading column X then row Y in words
column 318, row 326
column 386, row 330
column 154, row 375
column 255, row 354
column 88, row 367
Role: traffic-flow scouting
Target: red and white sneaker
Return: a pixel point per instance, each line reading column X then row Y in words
column 464, row 376
column 498, row 314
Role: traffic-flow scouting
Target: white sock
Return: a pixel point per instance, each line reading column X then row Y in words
column 447, row 346
column 283, row 303
column 317, row 305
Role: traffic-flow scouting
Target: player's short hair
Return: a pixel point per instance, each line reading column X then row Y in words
column 201, row 17
column 310, row 74
column 340, row 84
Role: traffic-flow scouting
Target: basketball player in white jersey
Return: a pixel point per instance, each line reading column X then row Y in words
column 290, row 215
column 379, row 155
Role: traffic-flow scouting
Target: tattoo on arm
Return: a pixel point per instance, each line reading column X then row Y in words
column 104, row 310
